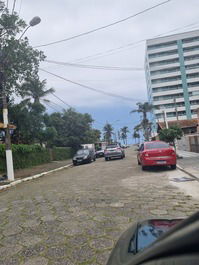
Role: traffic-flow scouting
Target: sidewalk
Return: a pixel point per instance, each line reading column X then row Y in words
column 189, row 163
column 27, row 172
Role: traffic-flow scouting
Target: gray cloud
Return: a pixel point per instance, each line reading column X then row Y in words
column 65, row 18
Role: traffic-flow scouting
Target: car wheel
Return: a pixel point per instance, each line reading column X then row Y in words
column 74, row 163
column 106, row 158
column 94, row 159
column 173, row 166
column 143, row 167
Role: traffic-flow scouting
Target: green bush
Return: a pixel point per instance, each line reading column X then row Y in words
column 61, row 153
column 25, row 156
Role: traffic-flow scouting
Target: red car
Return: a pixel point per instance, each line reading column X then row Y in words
column 156, row 153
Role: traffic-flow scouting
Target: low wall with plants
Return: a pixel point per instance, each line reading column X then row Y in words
column 25, row 156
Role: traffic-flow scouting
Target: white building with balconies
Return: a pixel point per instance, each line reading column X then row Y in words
column 172, row 76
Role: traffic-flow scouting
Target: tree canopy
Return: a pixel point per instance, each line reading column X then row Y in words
column 171, row 134
column 18, row 60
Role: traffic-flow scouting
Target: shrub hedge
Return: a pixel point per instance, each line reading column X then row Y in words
column 61, row 153
column 31, row 155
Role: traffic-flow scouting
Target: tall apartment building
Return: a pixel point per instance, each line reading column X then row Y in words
column 172, row 75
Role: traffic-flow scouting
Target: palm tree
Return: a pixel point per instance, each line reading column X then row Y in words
column 108, row 130
column 35, row 89
column 144, row 108
column 124, row 132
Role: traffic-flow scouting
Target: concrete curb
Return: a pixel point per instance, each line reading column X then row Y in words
column 16, row 182
column 188, row 173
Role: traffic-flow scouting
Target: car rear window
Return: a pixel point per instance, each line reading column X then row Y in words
column 157, row 145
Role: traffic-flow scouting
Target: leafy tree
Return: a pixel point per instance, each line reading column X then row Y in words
column 124, row 132
column 144, row 108
column 171, row 134
column 108, row 131
column 19, row 61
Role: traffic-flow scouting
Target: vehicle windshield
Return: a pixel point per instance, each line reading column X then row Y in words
column 82, row 152
column 156, row 145
column 112, row 146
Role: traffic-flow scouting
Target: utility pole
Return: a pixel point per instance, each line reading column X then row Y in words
column 9, row 159
column 176, row 108
column 165, row 119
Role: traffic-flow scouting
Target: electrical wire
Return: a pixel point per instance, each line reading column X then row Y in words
column 57, row 96
column 103, row 27
column 96, row 67
column 128, row 45
column 47, row 104
column 92, row 88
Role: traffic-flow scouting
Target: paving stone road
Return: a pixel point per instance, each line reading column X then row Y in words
column 76, row 215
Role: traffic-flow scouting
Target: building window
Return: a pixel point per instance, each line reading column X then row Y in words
column 170, row 106
column 166, row 88
column 159, row 54
column 157, row 98
column 193, row 84
column 192, row 66
column 188, row 40
column 161, row 45
column 173, row 114
column 194, row 102
column 164, row 62
column 189, row 49
column 194, row 75
column 192, row 57
column 165, row 71
column 166, row 79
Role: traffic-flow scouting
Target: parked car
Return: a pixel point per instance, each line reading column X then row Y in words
column 113, row 151
column 99, row 153
column 84, row 156
column 156, row 153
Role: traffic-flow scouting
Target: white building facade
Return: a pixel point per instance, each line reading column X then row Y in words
column 172, row 76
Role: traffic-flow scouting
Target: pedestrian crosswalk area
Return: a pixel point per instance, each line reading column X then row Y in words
column 187, row 154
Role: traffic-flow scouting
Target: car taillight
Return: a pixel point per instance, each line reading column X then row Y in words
column 145, row 154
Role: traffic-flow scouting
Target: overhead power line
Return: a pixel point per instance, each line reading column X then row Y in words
column 103, row 27
column 92, row 88
column 96, row 67
column 47, row 104
column 128, row 45
column 57, row 96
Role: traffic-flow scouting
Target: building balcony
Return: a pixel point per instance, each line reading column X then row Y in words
column 191, row 53
column 192, row 61
column 162, row 58
column 167, row 101
column 170, row 83
column 192, row 71
column 168, row 92
column 171, row 74
column 165, row 66
column 163, row 49
column 190, row 44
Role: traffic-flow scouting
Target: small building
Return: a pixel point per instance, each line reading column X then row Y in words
column 187, row 126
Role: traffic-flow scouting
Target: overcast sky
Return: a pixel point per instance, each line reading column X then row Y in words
column 65, row 18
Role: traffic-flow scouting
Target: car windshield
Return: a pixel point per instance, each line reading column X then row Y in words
column 112, row 146
column 156, row 145
column 82, row 152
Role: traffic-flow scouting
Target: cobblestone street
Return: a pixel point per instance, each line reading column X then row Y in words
column 76, row 215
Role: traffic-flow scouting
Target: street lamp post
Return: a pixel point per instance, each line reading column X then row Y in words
column 9, row 158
